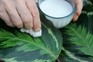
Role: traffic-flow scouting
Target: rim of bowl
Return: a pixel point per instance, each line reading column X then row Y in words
column 73, row 12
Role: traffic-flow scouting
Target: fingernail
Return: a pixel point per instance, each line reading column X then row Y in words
column 38, row 29
column 75, row 18
column 28, row 26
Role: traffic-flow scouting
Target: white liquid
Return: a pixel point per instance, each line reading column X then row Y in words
column 56, row 8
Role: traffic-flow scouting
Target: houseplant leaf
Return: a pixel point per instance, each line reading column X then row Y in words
column 21, row 47
column 76, row 35
column 81, row 38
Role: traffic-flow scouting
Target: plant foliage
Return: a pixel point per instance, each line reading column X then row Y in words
column 16, row 46
column 76, row 45
column 78, row 37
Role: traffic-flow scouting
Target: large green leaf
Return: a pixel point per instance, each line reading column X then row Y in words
column 21, row 47
column 78, row 37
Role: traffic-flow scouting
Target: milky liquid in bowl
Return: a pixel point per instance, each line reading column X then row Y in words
column 55, row 10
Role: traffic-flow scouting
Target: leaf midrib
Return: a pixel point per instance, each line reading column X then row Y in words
column 80, row 38
column 53, row 55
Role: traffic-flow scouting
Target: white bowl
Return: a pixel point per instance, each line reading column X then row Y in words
column 60, row 22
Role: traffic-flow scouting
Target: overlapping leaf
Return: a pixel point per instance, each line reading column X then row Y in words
column 21, row 47
column 78, row 37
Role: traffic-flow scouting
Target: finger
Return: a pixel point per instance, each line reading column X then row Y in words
column 79, row 6
column 75, row 17
column 14, row 14
column 35, row 13
column 5, row 16
column 25, row 15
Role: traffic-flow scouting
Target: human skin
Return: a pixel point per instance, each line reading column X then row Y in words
column 25, row 14
column 20, row 13
column 79, row 6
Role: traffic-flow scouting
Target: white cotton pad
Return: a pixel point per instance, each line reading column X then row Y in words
column 32, row 32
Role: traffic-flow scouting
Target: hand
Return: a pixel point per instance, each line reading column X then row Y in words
column 79, row 6
column 20, row 13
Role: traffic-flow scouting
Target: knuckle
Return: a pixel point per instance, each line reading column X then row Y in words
column 35, row 14
column 28, row 20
